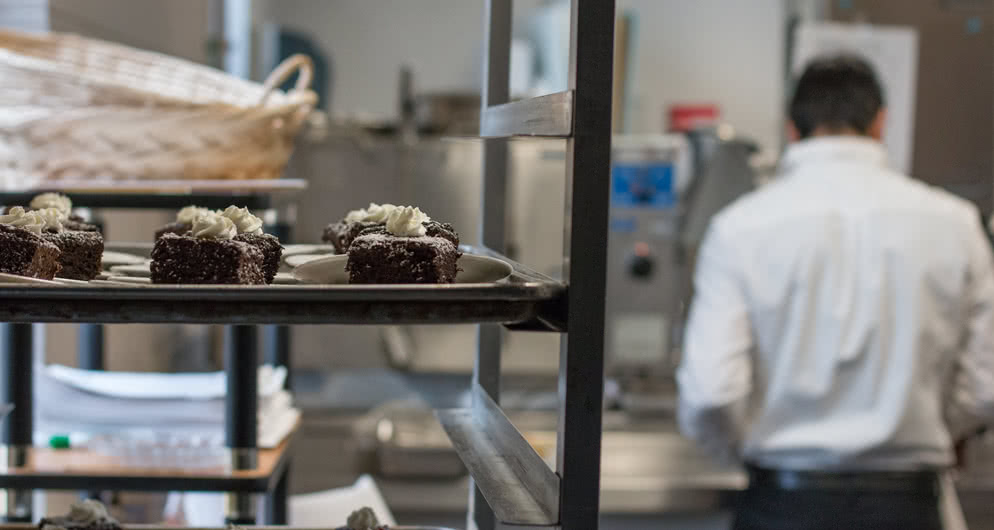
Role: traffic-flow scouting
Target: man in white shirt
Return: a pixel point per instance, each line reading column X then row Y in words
column 841, row 337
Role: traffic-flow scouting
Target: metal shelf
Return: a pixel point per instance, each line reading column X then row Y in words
column 550, row 115
column 81, row 469
column 526, row 299
column 516, row 482
column 163, row 194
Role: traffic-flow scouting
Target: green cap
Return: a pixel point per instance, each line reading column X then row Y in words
column 59, row 441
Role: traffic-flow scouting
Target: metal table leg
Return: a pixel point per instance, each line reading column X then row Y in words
column 91, row 346
column 276, row 339
column 276, row 500
column 17, row 363
column 241, row 364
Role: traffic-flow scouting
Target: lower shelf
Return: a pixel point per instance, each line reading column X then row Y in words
column 81, row 469
column 518, row 485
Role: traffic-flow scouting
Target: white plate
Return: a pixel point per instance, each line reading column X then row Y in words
column 293, row 250
column 70, row 281
column 474, row 269
column 300, row 259
column 14, row 278
column 130, row 279
column 112, row 258
column 137, row 271
column 284, row 278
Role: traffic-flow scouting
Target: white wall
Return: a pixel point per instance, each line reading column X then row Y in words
column 728, row 51
column 176, row 27
column 368, row 41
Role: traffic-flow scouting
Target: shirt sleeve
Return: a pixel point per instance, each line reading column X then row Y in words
column 970, row 405
column 715, row 373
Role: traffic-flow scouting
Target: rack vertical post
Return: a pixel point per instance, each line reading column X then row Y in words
column 515, row 487
column 493, row 204
column 241, row 365
column 18, row 429
column 588, row 169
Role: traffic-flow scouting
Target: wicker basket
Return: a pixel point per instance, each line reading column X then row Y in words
column 73, row 108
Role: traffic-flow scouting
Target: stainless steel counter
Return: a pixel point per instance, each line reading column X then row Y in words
column 649, row 472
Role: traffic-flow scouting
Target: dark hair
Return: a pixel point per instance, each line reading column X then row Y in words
column 837, row 93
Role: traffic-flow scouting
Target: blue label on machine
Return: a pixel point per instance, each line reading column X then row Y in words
column 643, row 185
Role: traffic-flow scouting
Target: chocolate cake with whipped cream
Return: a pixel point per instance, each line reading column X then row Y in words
column 373, row 220
column 183, row 222
column 87, row 515
column 341, row 233
column 207, row 254
column 81, row 251
column 403, row 251
column 250, row 231
column 63, row 205
column 23, row 251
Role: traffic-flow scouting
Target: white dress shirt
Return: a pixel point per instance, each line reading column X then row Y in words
column 843, row 318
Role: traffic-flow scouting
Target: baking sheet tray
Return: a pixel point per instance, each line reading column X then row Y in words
column 527, row 300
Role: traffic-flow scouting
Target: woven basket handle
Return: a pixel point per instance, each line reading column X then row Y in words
column 284, row 70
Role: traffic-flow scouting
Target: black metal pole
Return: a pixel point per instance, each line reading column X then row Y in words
column 18, row 429
column 241, row 364
column 91, row 346
column 276, row 339
column 276, row 501
column 588, row 169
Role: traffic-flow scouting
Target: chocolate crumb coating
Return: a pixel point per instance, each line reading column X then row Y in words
column 81, row 255
column 384, row 258
column 177, row 228
column 26, row 254
column 271, row 250
column 190, row 260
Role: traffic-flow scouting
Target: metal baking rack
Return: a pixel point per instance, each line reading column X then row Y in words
column 526, row 300
column 513, row 488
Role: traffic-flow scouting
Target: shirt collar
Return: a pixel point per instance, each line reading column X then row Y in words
column 825, row 149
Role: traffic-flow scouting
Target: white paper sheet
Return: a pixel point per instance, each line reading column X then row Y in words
column 152, row 385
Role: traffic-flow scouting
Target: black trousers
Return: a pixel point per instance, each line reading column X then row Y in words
column 773, row 505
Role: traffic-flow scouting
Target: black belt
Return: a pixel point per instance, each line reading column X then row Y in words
column 921, row 482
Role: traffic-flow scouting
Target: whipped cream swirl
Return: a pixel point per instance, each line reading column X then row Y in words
column 362, row 519
column 407, row 221
column 245, row 222
column 212, row 225
column 375, row 213
column 52, row 219
column 29, row 221
column 52, row 200
column 188, row 214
